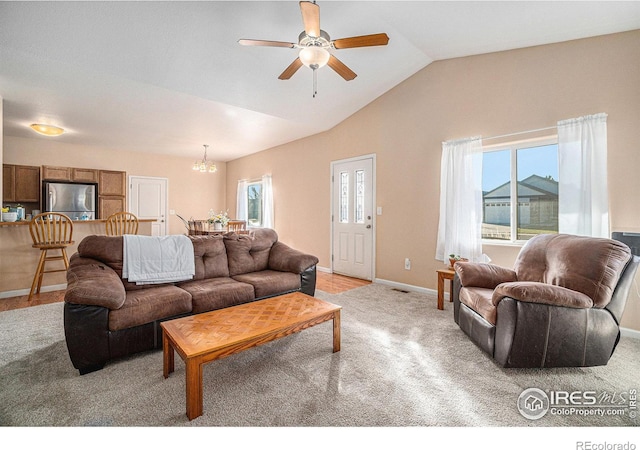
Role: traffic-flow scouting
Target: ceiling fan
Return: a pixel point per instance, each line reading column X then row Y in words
column 315, row 43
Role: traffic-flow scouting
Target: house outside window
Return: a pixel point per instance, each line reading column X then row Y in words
column 520, row 190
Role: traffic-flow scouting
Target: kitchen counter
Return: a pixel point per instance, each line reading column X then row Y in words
column 26, row 222
column 18, row 259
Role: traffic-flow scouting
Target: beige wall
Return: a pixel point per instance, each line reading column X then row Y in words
column 485, row 95
column 190, row 193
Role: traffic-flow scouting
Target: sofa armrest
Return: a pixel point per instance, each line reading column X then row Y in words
column 285, row 259
column 547, row 294
column 92, row 283
column 482, row 275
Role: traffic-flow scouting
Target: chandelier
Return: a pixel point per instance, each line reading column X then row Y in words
column 204, row 165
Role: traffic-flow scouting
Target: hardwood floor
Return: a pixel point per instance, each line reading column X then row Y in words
column 327, row 282
column 22, row 301
column 333, row 283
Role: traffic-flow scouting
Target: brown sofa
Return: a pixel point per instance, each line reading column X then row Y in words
column 560, row 306
column 107, row 317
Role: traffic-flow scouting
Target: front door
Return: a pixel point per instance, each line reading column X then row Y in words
column 352, row 217
column 148, row 200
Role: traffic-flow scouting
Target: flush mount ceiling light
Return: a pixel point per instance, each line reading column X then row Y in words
column 47, row 130
column 204, row 165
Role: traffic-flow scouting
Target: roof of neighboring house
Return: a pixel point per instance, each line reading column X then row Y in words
column 532, row 186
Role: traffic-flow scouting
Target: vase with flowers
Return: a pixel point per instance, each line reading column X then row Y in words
column 219, row 220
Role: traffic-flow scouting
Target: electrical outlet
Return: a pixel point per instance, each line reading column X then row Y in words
column 407, row 264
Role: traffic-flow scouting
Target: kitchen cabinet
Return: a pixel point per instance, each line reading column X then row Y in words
column 20, row 183
column 112, row 190
column 84, row 175
column 108, row 204
column 52, row 173
column 111, row 182
column 8, row 183
column 75, row 174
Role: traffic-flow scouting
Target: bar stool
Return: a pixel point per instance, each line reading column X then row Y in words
column 121, row 223
column 50, row 231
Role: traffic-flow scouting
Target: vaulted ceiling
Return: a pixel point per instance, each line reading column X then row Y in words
column 168, row 77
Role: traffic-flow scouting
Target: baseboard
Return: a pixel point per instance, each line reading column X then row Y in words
column 21, row 292
column 323, row 269
column 629, row 333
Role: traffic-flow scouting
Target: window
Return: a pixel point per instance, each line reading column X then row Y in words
column 254, row 204
column 524, row 175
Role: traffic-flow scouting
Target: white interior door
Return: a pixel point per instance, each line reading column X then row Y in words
column 352, row 217
column 148, row 200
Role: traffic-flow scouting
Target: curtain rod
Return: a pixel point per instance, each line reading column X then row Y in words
column 519, row 133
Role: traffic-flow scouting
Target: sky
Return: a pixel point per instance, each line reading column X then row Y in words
column 542, row 161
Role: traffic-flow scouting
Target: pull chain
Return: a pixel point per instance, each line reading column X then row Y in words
column 315, row 83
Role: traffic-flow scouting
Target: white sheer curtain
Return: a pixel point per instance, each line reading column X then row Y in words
column 460, row 227
column 583, row 207
column 267, row 202
column 242, row 205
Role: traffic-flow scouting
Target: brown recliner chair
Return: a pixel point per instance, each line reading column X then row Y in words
column 560, row 306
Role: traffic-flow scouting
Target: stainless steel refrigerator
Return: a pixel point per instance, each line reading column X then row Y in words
column 78, row 201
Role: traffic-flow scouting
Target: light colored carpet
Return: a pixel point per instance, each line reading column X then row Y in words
column 403, row 363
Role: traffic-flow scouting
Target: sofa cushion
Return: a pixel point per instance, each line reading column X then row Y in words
column 479, row 300
column 93, row 283
column 249, row 252
column 147, row 305
column 210, row 257
column 285, row 259
column 270, row 282
column 548, row 294
column 584, row 264
column 483, row 275
column 216, row 293
column 106, row 249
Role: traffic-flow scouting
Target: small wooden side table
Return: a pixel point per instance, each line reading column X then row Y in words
column 442, row 275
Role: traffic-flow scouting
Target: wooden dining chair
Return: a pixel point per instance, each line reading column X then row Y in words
column 121, row 223
column 50, row 231
column 237, row 226
column 196, row 227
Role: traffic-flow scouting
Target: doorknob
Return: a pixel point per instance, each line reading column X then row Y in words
column 368, row 226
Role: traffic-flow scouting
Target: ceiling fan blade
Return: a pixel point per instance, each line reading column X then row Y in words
column 311, row 18
column 289, row 71
column 254, row 42
column 341, row 69
column 369, row 40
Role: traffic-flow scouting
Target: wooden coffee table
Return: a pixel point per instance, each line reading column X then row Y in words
column 205, row 337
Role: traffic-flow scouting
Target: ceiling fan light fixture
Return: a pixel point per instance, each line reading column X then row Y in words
column 314, row 56
column 46, row 130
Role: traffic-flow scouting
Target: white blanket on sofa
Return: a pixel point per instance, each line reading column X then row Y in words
column 157, row 259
